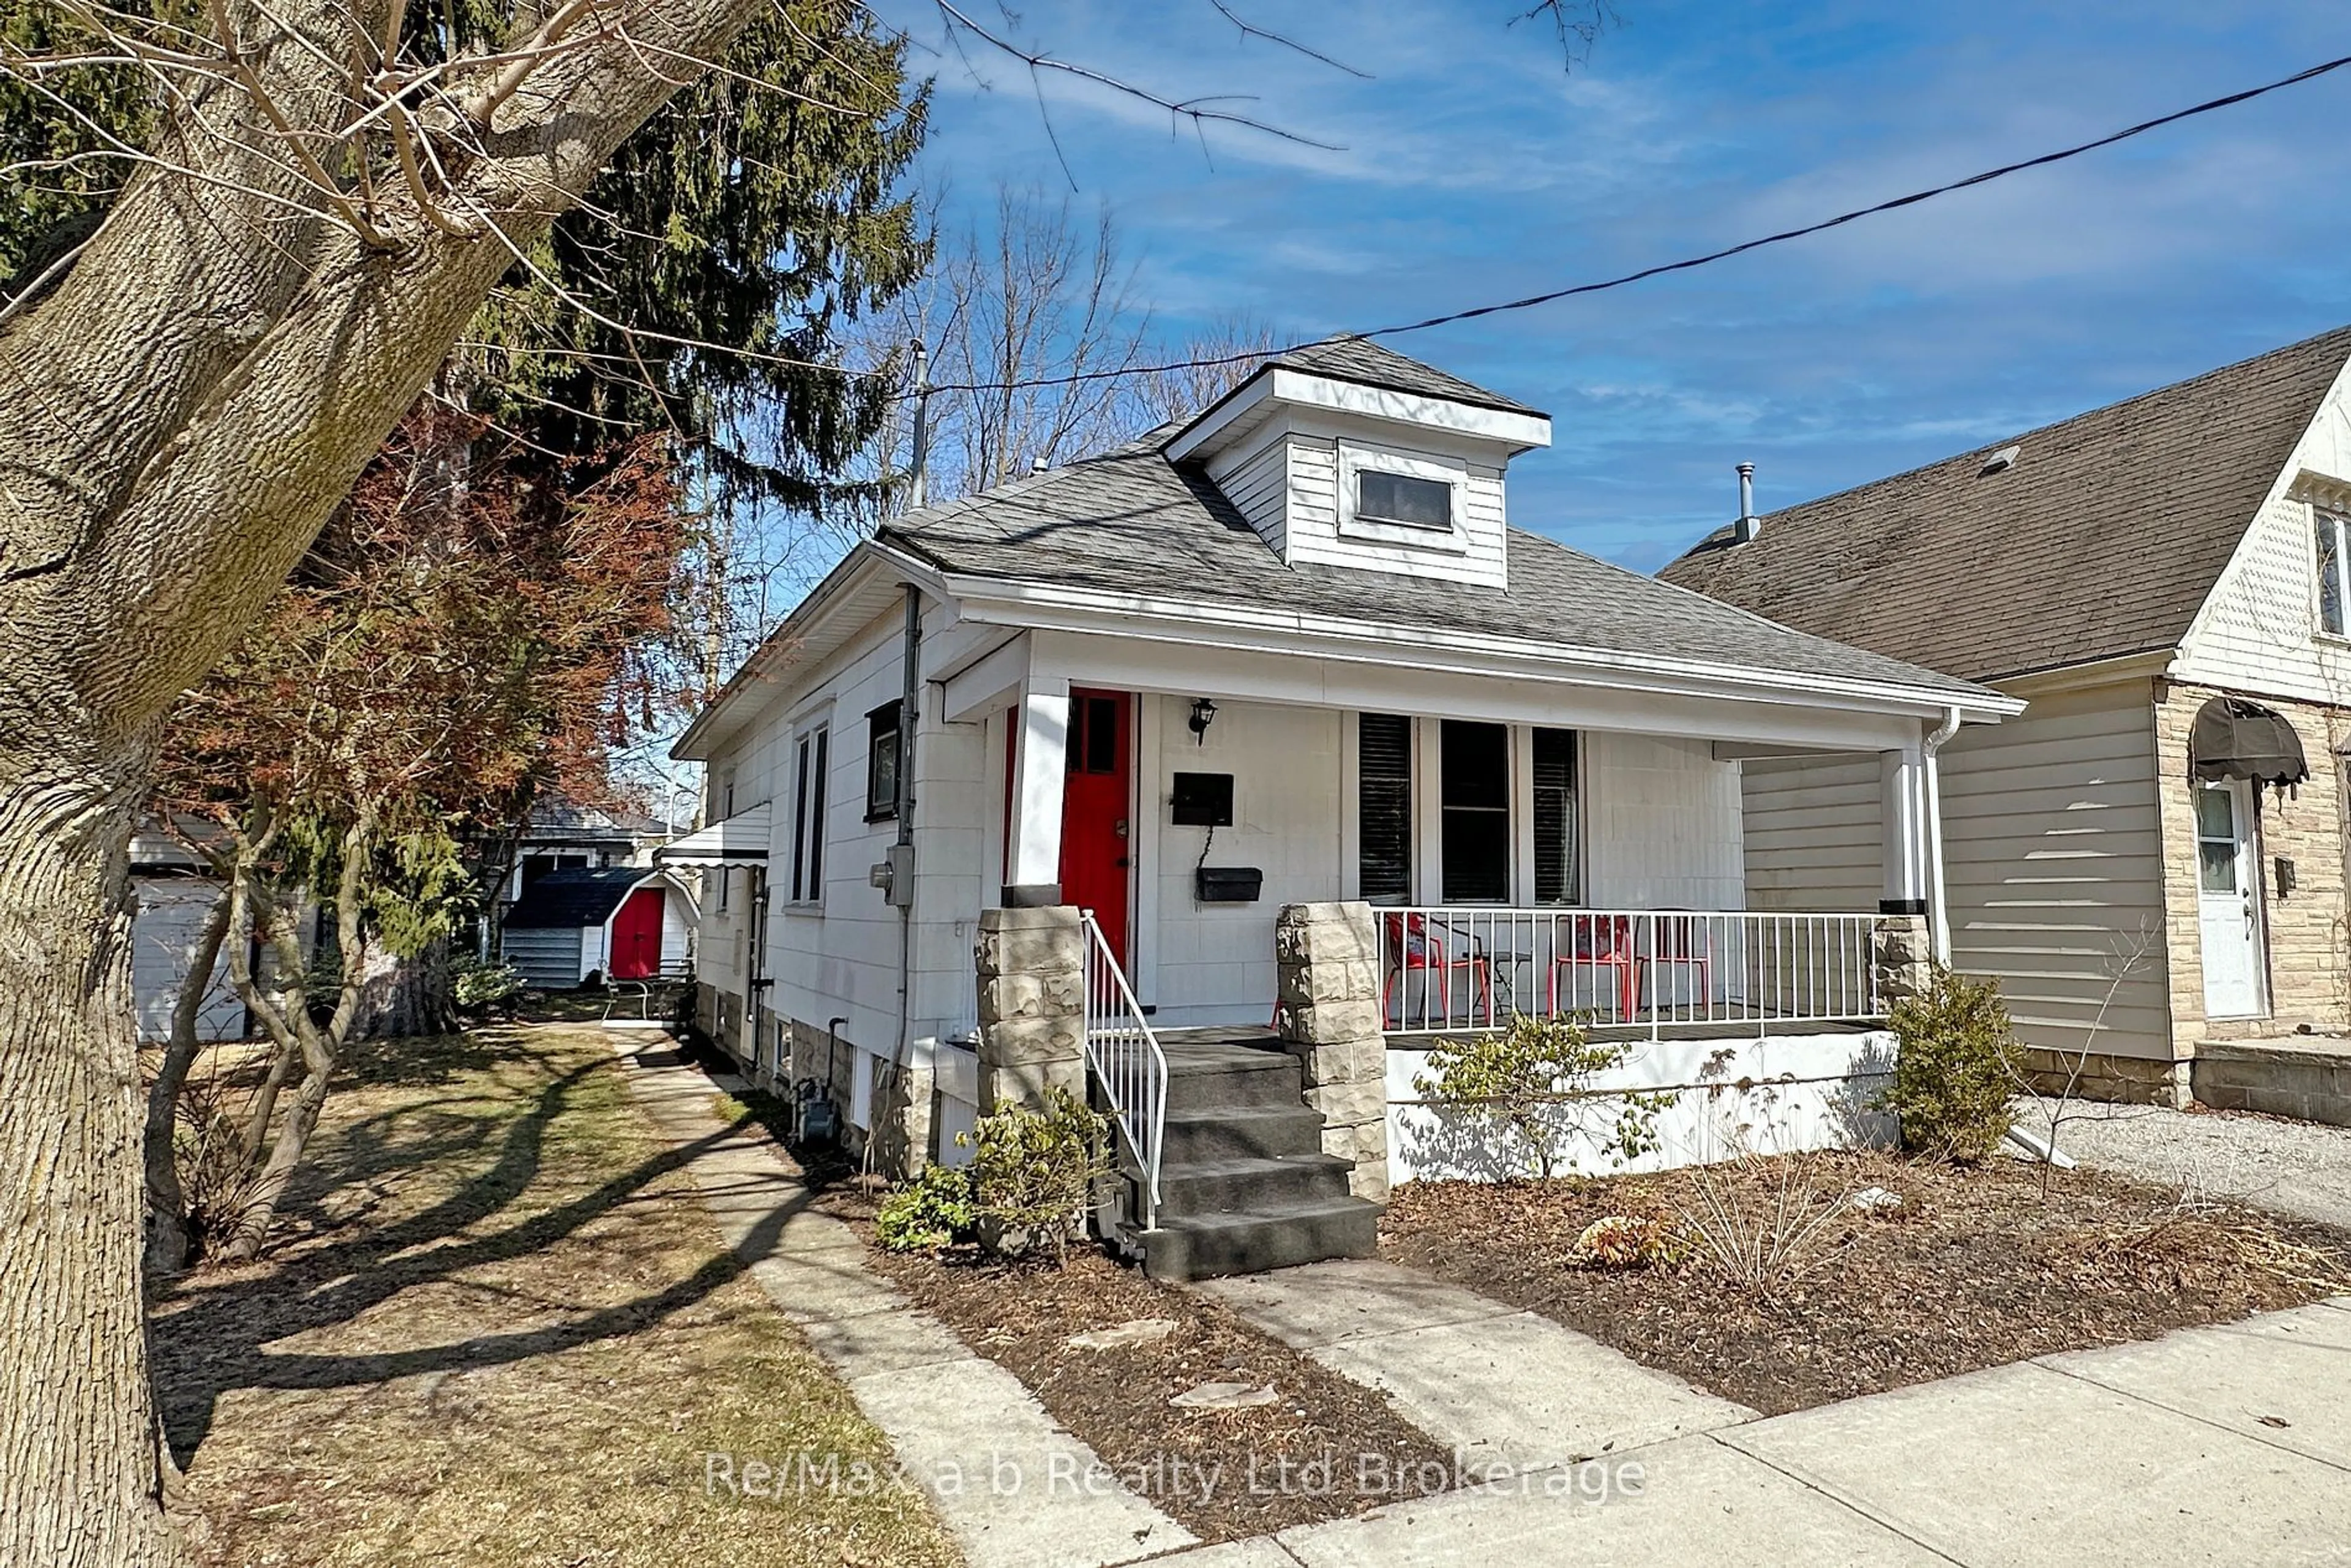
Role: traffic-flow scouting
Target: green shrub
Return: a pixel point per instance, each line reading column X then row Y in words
column 475, row 987
column 1535, row 1078
column 935, row 1209
column 1033, row 1174
column 1956, row 1081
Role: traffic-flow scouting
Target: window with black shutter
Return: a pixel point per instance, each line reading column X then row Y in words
column 1555, row 822
column 1384, row 802
column 1475, row 790
column 881, row 754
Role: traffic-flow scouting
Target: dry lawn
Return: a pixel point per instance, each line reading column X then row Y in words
column 502, row 1333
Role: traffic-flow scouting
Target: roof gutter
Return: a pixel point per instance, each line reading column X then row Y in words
column 1030, row 604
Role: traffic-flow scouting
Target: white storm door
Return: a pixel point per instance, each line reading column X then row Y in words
column 2229, row 899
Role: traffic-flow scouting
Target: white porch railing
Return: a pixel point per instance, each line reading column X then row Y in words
column 1468, row 966
column 1125, row 1057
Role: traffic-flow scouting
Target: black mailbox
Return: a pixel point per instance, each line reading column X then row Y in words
column 1202, row 800
column 1228, row 883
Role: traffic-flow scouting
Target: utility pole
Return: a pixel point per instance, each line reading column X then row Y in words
column 917, row 494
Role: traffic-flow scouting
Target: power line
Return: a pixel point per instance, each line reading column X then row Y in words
column 1688, row 262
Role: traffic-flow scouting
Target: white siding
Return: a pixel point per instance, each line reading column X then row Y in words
column 1312, row 525
column 1215, row 961
column 1661, row 824
column 545, row 955
column 1255, row 476
column 2258, row 629
column 2053, row 859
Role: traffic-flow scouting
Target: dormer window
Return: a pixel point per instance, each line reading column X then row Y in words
column 1403, row 499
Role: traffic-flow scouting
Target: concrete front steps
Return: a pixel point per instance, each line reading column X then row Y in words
column 1244, row 1185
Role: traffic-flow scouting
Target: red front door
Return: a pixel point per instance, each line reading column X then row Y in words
column 636, row 936
column 1097, row 844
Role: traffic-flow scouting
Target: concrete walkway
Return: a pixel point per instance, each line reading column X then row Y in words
column 961, row 1425
column 2227, row 1445
column 1497, row 1385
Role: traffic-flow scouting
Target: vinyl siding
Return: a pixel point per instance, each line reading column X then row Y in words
column 171, row 912
column 1255, row 479
column 2258, row 630
column 1812, row 833
column 1662, row 825
column 1313, row 530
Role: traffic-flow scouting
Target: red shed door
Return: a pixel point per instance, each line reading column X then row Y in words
column 1096, row 802
column 636, row 936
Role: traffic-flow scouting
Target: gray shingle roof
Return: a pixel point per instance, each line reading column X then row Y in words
column 1366, row 363
column 2103, row 537
column 1131, row 522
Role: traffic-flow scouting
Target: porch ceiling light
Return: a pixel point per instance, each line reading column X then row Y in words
column 1204, row 714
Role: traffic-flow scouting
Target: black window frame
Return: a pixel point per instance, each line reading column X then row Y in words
column 885, row 753
column 811, row 760
column 1476, row 841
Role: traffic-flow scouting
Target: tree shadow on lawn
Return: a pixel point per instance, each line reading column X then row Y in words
column 217, row 1342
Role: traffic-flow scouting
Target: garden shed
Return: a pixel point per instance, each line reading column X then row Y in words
column 619, row 923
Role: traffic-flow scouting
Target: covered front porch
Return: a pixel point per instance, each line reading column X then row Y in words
column 1534, row 839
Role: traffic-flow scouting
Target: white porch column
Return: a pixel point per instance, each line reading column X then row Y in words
column 1902, row 781
column 1032, row 876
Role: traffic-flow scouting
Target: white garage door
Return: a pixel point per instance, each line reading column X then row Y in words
column 163, row 944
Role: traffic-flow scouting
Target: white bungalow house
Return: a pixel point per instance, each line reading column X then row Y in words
column 1288, row 653
column 2152, row 861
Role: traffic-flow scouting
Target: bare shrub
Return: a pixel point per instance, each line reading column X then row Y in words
column 1763, row 1223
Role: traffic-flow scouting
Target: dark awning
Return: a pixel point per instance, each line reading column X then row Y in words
column 2237, row 740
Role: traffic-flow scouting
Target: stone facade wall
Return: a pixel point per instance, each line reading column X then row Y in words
column 1329, row 1016
column 1902, row 957
column 1032, row 1027
column 2099, row 1075
column 2308, row 979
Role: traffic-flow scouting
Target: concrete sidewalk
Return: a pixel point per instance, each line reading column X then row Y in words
column 961, row 1425
column 2227, row 1445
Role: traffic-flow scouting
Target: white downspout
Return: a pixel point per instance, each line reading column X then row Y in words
column 1937, row 901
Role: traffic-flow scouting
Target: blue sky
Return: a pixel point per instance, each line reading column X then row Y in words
column 1474, row 168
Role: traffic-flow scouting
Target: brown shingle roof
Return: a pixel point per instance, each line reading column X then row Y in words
column 1366, row 363
column 2102, row 539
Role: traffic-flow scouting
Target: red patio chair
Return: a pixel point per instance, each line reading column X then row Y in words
column 1678, row 944
column 1411, row 944
column 1600, row 942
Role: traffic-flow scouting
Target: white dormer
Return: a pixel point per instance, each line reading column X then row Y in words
column 1347, row 455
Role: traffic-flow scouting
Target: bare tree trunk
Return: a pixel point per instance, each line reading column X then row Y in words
column 178, row 413
column 78, row 1479
column 167, row 1204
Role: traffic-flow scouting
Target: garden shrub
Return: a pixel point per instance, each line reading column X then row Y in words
column 1535, row 1078
column 476, row 989
column 1625, row 1241
column 935, row 1209
column 1033, row 1174
column 1957, row 1077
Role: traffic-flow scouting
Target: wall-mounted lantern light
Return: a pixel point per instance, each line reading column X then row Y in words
column 1204, row 714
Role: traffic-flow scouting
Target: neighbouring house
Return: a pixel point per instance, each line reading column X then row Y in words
column 1218, row 774
column 600, row 922
column 2152, row 859
column 175, row 892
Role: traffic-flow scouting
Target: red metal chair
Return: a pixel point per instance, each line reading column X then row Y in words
column 1411, row 944
column 1597, row 941
column 1677, row 946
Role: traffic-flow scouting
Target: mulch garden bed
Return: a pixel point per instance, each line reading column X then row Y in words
column 1974, row 1269
column 1297, row 1460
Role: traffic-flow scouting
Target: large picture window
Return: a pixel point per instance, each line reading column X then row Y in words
column 1475, row 785
column 2334, row 570
column 1557, row 847
column 809, row 761
column 1383, row 808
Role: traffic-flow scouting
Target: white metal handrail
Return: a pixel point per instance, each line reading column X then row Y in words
column 1466, row 967
column 1125, row 1057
